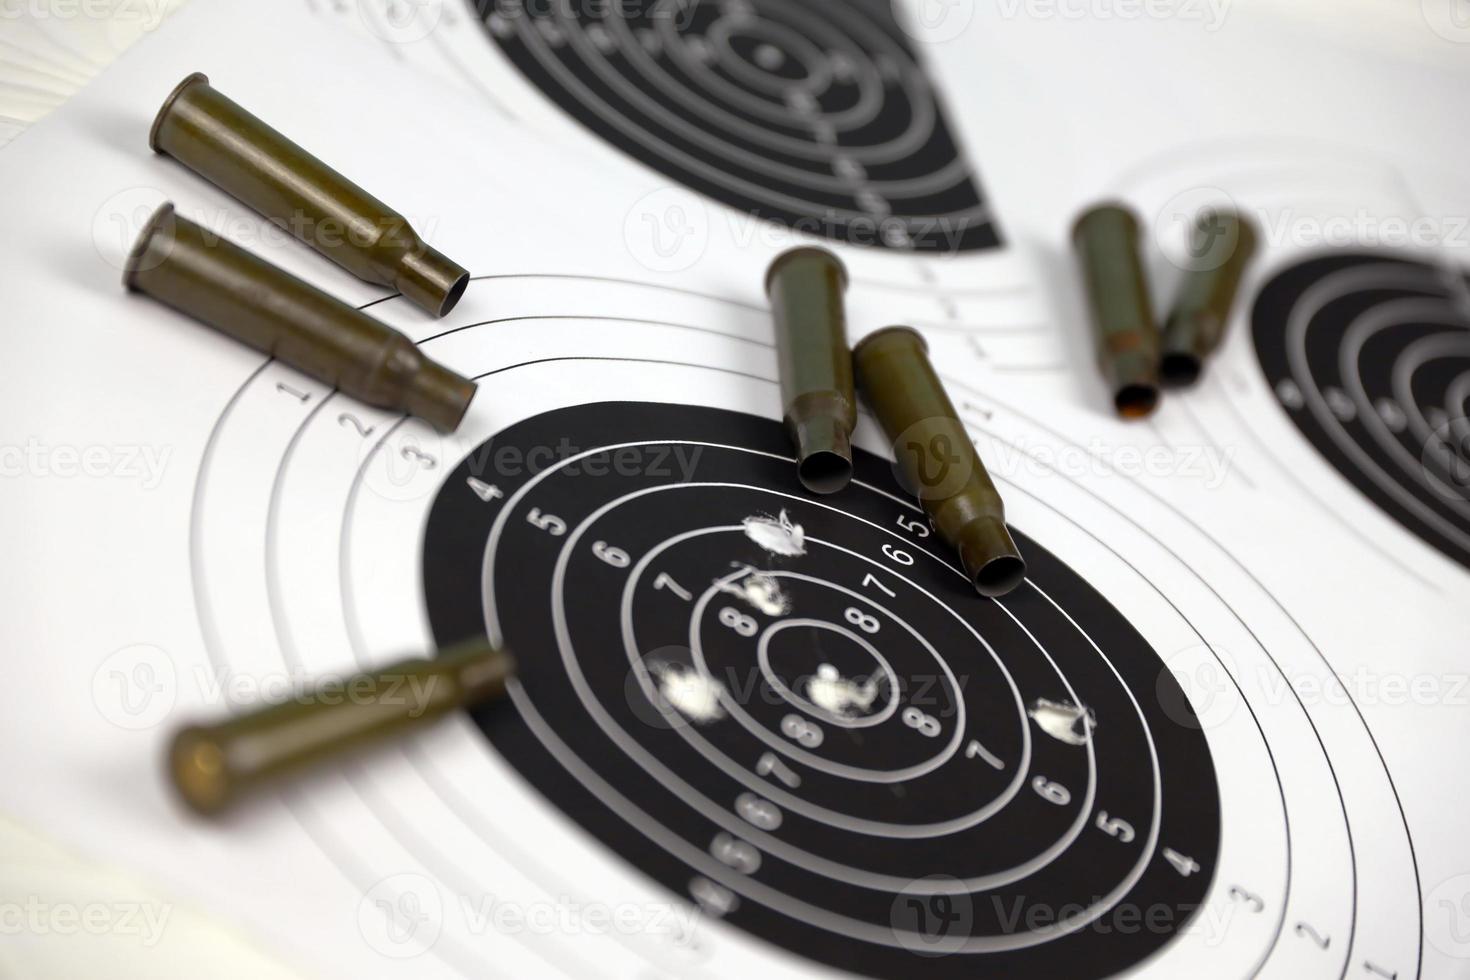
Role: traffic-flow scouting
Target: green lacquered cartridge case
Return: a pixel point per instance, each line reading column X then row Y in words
column 226, row 145
column 240, row 294
column 936, row 457
column 1221, row 246
column 1124, row 328
column 806, row 287
column 215, row 766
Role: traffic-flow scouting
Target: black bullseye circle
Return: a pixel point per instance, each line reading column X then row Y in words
column 815, row 114
column 798, row 714
column 1370, row 357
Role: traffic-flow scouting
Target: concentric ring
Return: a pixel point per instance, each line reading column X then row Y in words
column 826, row 124
column 1370, row 357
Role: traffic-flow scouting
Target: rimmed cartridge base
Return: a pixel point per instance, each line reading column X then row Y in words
column 152, row 247
column 239, row 153
column 165, row 111
column 197, row 763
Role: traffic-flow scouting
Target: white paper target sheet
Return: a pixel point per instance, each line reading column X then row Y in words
column 1219, row 731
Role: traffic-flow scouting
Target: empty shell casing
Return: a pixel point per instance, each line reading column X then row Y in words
column 240, row 294
column 937, row 458
column 1221, row 246
column 1126, row 333
column 805, row 287
column 226, row 145
column 214, row 766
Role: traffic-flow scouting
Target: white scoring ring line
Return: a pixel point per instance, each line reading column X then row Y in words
column 975, row 944
column 953, row 172
column 779, row 794
column 725, row 179
column 1364, row 327
column 1299, row 322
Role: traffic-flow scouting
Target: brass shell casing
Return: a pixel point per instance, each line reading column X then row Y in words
column 240, row 294
column 215, row 766
column 1221, row 246
column 1125, row 331
column 234, row 150
column 937, row 458
column 806, row 287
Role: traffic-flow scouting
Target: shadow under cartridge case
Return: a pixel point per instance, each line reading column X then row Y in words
column 1124, row 328
column 214, row 766
column 228, row 146
column 240, row 294
column 1221, row 246
column 937, row 458
column 805, row 287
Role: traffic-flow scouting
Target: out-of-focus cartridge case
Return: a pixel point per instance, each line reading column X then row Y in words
column 1124, row 328
column 240, row 294
column 1221, row 247
column 214, row 766
column 805, row 287
column 231, row 148
column 937, row 458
